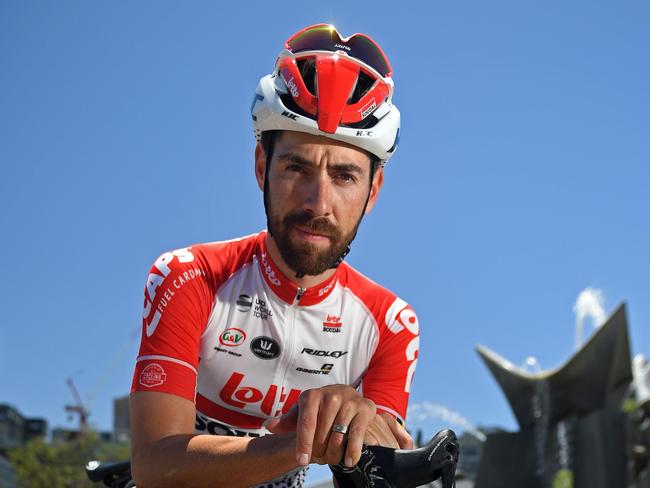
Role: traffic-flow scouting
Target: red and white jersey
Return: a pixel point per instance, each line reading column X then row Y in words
column 224, row 328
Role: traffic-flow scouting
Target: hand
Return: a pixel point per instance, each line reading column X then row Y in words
column 386, row 431
column 313, row 416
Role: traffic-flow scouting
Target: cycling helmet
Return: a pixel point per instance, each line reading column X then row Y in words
column 333, row 86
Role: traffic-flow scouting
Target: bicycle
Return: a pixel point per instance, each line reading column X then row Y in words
column 379, row 467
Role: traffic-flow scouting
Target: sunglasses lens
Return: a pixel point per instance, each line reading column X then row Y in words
column 322, row 37
column 326, row 38
column 368, row 52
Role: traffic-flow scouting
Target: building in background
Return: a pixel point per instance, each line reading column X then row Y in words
column 16, row 430
column 121, row 419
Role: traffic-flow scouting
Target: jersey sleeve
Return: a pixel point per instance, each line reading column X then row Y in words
column 387, row 381
column 178, row 300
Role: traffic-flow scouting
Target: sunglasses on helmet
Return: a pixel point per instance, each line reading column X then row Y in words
column 325, row 37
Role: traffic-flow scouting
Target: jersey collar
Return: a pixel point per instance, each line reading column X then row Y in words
column 286, row 289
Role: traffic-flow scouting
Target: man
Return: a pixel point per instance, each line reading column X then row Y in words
column 274, row 332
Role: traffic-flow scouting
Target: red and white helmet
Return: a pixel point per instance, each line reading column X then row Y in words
column 327, row 85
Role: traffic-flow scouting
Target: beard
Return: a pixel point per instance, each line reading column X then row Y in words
column 303, row 257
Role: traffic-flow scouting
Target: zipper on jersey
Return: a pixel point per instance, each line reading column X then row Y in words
column 290, row 346
column 299, row 294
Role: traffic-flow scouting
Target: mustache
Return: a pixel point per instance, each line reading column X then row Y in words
column 318, row 225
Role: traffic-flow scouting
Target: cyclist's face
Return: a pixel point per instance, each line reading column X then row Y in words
column 317, row 191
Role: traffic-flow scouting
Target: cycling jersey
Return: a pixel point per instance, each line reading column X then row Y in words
column 224, row 328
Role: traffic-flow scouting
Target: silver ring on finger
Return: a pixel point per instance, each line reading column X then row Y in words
column 341, row 429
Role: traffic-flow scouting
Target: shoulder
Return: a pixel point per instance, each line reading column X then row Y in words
column 209, row 259
column 226, row 256
column 388, row 309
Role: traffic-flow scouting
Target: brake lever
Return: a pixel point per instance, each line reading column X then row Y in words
column 384, row 467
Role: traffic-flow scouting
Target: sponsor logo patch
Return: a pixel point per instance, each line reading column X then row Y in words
column 325, row 369
column 153, row 375
column 235, row 394
column 262, row 311
column 365, row 111
column 270, row 274
column 265, row 347
column 244, row 303
column 332, row 324
column 321, row 352
column 232, row 337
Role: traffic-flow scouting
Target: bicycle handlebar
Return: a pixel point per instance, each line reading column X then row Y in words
column 379, row 467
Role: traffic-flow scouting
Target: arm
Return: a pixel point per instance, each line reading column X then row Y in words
column 166, row 452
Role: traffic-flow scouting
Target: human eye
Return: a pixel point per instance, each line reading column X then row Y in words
column 346, row 177
column 295, row 168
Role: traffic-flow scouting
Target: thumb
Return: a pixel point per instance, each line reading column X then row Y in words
column 284, row 424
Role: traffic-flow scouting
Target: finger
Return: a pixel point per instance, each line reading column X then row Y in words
column 329, row 407
column 284, row 424
column 338, row 440
column 402, row 436
column 379, row 433
column 356, row 432
column 308, row 405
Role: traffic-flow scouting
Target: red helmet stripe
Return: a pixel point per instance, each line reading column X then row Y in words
column 337, row 76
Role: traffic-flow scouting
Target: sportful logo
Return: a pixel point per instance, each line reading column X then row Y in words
column 269, row 271
column 332, row 324
column 156, row 279
column 238, row 396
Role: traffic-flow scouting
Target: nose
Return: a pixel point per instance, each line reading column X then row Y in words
column 318, row 196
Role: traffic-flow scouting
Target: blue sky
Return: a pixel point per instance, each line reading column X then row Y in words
column 521, row 178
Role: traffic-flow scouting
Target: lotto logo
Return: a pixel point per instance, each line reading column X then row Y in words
column 235, row 394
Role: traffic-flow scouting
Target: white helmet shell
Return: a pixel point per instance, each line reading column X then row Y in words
column 270, row 113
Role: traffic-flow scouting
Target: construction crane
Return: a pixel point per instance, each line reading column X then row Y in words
column 79, row 408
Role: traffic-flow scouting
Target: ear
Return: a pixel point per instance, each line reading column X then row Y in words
column 260, row 165
column 377, row 183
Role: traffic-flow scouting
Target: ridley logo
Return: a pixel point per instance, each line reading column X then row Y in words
column 332, row 324
column 238, row 396
column 269, row 271
column 152, row 375
column 318, row 352
column 232, row 337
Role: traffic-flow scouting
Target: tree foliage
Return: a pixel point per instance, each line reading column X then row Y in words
column 39, row 464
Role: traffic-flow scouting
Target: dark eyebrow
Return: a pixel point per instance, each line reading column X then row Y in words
column 302, row 161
